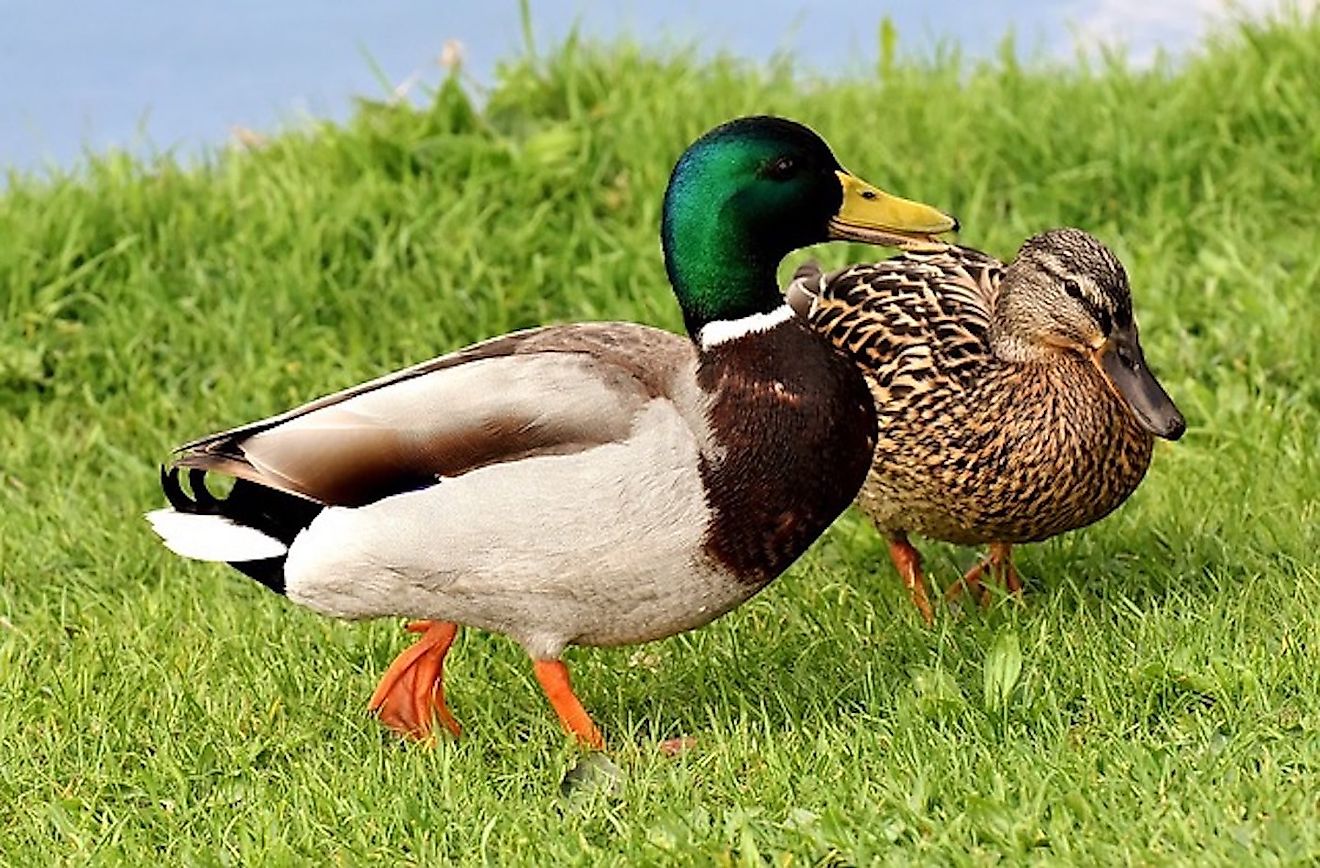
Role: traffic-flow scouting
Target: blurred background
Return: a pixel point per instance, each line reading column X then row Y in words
column 153, row 76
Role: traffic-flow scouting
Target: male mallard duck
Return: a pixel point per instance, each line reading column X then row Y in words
column 591, row 484
column 1013, row 402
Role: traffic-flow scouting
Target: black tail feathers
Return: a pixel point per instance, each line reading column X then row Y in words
column 275, row 513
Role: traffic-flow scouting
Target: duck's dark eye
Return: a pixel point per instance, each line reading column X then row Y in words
column 1073, row 288
column 781, row 169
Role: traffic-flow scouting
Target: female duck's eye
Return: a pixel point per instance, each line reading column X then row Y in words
column 1073, row 288
column 781, row 169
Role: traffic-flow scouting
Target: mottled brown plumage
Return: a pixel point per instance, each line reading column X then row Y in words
column 1013, row 403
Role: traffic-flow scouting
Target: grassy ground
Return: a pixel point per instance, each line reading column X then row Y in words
column 1157, row 698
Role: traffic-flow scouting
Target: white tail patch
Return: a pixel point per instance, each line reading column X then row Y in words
column 212, row 537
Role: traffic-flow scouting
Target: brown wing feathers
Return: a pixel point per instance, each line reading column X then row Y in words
column 927, row 310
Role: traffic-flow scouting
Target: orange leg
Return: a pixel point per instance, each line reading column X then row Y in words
column 1001, row 554
column 553, row 675
column 908, row 561
column 412, row 689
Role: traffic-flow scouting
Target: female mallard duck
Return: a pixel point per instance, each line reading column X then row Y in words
column 1013, row 402
column 591, row 484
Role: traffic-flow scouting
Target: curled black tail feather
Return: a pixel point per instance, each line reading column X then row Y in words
column 274, row 513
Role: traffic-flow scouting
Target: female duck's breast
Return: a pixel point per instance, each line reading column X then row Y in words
column 1019, row 459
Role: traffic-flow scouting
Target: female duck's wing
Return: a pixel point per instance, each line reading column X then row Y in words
column 922, row 315
column 559, row 389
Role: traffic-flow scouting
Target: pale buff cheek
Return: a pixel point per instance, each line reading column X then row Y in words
column 1073, row 334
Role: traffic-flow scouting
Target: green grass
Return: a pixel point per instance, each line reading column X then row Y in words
column 1156, row 699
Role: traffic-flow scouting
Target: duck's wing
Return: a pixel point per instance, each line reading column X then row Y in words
column 559, row 389
column 921, row 315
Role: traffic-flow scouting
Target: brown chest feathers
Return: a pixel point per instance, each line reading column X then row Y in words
column 794, row 425
column 1018, row 455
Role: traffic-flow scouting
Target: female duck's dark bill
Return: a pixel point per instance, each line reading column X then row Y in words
column 1121, row 360
column 872, row 216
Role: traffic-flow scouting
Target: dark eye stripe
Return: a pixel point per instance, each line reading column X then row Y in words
column 1102, row 317
column 1097, row 313
column 1093, row 310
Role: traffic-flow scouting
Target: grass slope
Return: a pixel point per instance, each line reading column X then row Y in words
column 1156, row 699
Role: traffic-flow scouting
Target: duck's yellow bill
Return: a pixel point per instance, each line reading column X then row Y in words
column 872, row 216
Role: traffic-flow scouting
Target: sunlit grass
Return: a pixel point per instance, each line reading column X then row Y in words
column 1166, row 701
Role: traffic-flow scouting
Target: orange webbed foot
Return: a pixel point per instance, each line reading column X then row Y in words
column 411, row 693
column 674, row 747
column 999, row 563
column 971, row 583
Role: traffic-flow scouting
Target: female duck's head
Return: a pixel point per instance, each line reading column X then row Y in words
column 750, row 191
column 1067, row 292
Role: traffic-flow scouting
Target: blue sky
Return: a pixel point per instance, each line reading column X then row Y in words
column 152, row 74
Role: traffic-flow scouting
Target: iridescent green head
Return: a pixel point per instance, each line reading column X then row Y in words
column 750, row 191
